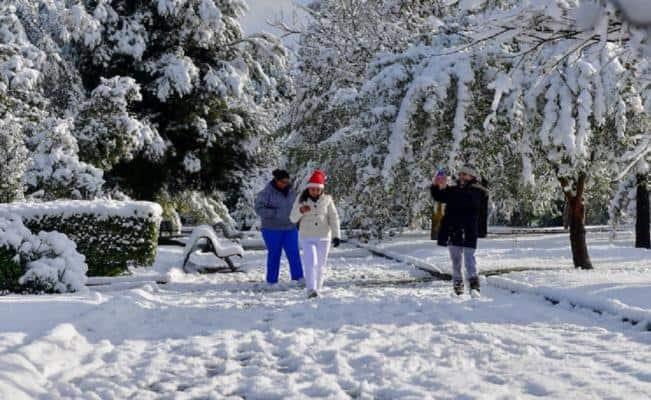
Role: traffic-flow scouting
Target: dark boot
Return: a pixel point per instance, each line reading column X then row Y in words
column 474, row 283
column 458, row 287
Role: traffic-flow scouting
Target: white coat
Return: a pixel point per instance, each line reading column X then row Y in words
column 322, row 221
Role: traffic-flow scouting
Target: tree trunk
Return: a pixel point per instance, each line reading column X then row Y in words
column 642, row 233
column 578, row 242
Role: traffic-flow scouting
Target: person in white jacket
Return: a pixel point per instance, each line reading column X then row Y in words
column 318, row 226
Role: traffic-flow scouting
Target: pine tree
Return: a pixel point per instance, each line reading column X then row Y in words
column 13, row 160
column 39, row 151
column 20, row 100
column 207, row 92
column 54, row 170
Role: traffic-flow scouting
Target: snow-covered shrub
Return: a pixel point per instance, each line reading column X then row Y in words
column 29, row 263
column 113, row 235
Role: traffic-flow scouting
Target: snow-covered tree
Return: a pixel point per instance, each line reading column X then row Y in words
column 632, row 195
column 54, row 169
column 336, row 48
column 13, row 160
column 39, row 153
column 20, row 100
column 415, row 109
column 534, row 93
column 208, row 93
column 580, row 92
column 107, row 132
column 44, row 26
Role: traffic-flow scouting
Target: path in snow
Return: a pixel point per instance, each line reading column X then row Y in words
column 527, row 251
column 379, row 332
column 538, row 265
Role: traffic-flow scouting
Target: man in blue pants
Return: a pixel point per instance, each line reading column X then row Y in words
column 273, row 204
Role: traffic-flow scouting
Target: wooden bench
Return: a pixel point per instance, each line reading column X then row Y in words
column 204, row 239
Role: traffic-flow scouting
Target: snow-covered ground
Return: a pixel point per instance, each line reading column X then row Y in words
column 527, row 251
column 382, row 330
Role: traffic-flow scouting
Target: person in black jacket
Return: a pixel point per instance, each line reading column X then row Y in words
column 465, row 221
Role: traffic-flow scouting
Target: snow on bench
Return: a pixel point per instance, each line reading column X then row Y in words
column 205, row 239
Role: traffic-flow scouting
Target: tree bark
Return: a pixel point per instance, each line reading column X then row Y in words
column 642, row 226
column 576, row 207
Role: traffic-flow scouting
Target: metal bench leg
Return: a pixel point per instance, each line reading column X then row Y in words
column 230, row 264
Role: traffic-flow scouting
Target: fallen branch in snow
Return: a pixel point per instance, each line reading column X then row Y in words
column 104, row 281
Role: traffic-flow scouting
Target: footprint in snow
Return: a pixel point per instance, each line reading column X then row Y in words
column 244, row 358
column 536, row 389
column 289, row 365
column 496, row 379
column 183, row 387
column 214, row 370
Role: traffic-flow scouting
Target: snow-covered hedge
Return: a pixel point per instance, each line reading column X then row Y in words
column 111, row 234
column 30, row 263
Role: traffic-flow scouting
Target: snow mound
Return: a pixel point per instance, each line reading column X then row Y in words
column 61, row 353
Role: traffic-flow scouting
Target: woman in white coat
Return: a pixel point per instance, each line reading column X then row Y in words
column 316, row 214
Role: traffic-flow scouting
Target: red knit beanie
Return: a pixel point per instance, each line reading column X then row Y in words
column 317, row 180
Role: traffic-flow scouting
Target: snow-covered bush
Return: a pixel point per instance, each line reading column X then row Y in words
column 113, row 235
column 47, row 262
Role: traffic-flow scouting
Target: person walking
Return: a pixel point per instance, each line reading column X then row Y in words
column 465, row 221
column 316, row 214
column 273, row 204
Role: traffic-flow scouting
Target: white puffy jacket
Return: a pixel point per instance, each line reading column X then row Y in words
column 322, row 221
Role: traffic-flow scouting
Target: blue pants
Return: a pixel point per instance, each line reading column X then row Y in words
column 277, row 241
